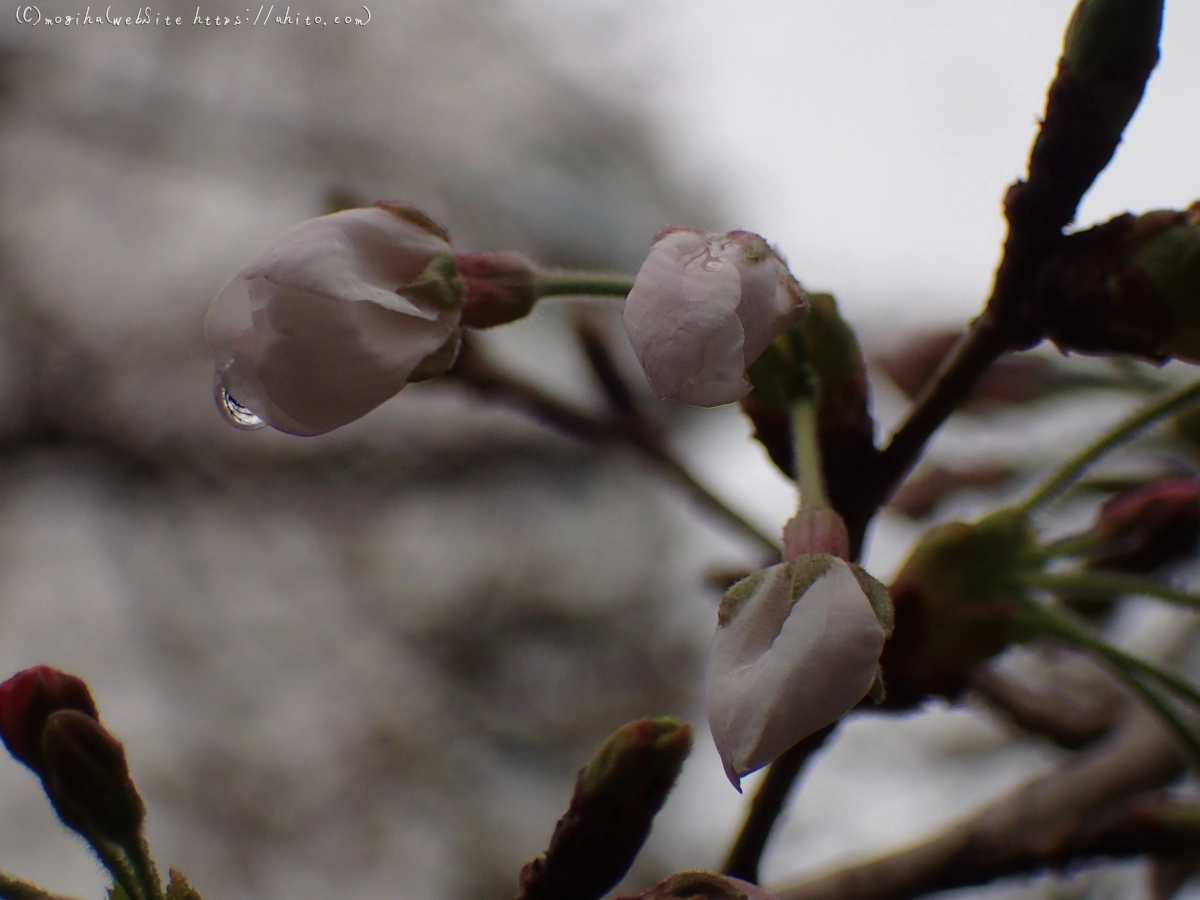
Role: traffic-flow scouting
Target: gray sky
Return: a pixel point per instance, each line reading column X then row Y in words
column 872, row 139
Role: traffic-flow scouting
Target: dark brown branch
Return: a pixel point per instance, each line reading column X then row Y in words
column 1072, row 712
column 768, row 802
column 475, row 371
column 1021, row 833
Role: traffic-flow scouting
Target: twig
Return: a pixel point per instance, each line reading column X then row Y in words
column 1053, row 714
column 475, row 371
column 1026, row 831
column 768, row 802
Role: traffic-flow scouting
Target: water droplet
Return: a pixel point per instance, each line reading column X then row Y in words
column 235, row 414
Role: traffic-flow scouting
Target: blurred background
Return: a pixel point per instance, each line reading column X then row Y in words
column 370, row 663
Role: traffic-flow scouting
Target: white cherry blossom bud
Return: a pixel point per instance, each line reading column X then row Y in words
column 335, row 317
column 797, row 646
column 702, row 309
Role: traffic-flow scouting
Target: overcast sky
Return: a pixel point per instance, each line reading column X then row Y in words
column 872, row 139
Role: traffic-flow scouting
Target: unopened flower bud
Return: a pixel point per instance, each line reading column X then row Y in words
column 87, row 779
column 616, row 797
column 703, row 886
column 702, row 309
column 335, row 317
column 956, row 603
column 797, row 646
column 1130, row 285
column 1149, row 526
column 500, row 288
column 28, row 699
column 1110, row 47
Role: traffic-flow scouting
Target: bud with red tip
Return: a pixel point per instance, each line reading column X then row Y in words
column 500, row 288
column 28, row 699
column 703, row 307
column 1149, row 526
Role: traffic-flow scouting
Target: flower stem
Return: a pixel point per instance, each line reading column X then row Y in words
column 807, row 447
column 1100, row 582
column 1054, row 487
column 1071, row 545
column 569, row 282
column 145, row 871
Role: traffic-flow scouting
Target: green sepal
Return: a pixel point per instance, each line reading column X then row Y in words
column 116, row 892
column 806, row 570
column 879, row 598
column 416, row 216
column 179, row 889
column 439, row 361
column 735, row 598
column 439, row 284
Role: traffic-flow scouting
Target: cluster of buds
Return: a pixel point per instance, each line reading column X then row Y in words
column 49, row 722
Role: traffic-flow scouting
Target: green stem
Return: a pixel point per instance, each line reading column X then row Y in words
column 1071, row 545
column 146, row 872
column 1062, row 479
column 1123, row 665
column 1101, row 582
column 807, row 447
column 564, row 282
column 118, row 866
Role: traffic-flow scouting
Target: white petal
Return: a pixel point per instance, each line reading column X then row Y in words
column 681, row 318
column 778, row 672
column 310, row 363
column 357, row 254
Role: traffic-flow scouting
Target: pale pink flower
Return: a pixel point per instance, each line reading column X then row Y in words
column 797, row 646
column 702, row 309
column 333, row 318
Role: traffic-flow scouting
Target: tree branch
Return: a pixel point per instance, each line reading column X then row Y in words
column 1039, row 826
column 475, row 371
column 746, row 852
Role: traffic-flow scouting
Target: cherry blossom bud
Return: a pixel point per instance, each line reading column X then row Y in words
column 28, row 699
column 797, row 646
column 702, row 309
column 1149, row 526
column 335, row 317
column 87, row 779
column 500, row 288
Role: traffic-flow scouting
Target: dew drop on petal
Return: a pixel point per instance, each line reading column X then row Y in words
column 236, row 414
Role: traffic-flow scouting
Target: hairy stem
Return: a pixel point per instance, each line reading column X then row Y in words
column 564, row 282
column 810, row 476
column 1101, row 582
column 1058, row 483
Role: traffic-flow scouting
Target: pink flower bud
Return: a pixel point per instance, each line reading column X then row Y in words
column 28, row 699
column 702, row 309
column 797, row 646
column 335, row 317
column 1150, row 526
column 501, row 288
